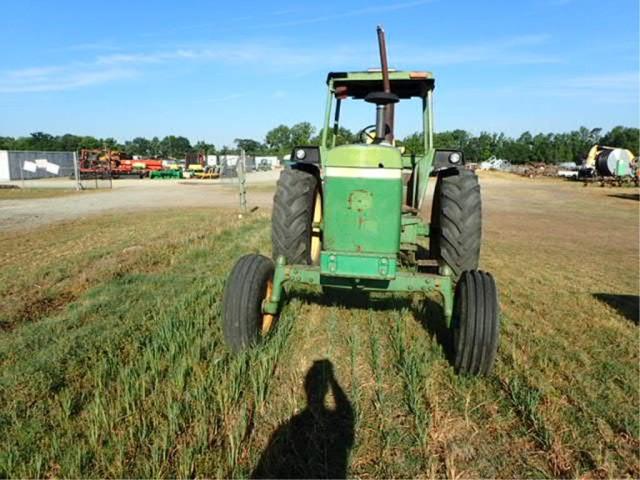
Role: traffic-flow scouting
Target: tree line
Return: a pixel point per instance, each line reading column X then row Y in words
column 170, row 146
column 542, row 147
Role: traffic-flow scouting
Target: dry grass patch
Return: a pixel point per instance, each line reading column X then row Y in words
column 31, row 193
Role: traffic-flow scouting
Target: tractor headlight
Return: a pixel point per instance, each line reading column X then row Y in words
column 455, row 157
column 300, row 154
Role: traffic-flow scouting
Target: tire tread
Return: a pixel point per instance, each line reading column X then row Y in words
column 476, row 322
column 242, row 300
column 456, row 221
column 292, row 216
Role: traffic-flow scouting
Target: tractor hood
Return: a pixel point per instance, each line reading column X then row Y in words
column 364, row 156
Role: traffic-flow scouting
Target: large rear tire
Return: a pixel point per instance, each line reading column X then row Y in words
column 456, row 221
column 297, row 205
column 249, row 283
column 475, row 323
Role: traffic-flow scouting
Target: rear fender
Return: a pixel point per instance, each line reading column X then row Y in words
column 442, row 160
column 306, row 154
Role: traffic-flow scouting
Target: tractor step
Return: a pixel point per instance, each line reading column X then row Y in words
column 409, row 209
column 427, row 263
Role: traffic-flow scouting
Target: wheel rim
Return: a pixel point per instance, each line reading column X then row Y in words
column 267, row 318
column 316, row 239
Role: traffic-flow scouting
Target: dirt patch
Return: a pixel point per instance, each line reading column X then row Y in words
column 38, row 308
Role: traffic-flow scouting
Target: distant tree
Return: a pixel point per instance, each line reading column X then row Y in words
column 278, row 139
column 89, row 142
column 541, row 147
column 413, row 143
column 595, row 134
column 249, row 145
column 301, row 134
column 623, row 137
column 486, row 146
column 541, row 150
column 207, row 148
column 7, row 143
column 174, row 147
column 139, row 146
column 344, row 137
column 41, row 141
column 68, row 142
column 111, row 143
column 154, row 146
column 282, row 139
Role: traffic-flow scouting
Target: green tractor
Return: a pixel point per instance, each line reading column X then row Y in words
column 350, row 218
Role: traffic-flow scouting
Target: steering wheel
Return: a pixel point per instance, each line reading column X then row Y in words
column 368, row 134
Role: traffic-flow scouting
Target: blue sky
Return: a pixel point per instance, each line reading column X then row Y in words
column 215, row 71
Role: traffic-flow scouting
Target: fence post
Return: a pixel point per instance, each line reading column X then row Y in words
column 21, row 165
column 241, row 182
column 75, row 171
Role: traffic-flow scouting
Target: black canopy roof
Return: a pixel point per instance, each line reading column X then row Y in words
column 403, row 84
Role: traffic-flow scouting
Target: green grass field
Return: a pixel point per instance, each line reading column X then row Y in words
column 112, row 362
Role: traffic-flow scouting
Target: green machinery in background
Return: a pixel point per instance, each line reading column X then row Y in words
column 165, row 174
column 352, row 218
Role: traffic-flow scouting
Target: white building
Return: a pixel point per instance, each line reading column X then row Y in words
column 270, row 159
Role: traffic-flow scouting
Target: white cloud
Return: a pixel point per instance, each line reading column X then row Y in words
column 34, row 72
column 108, row 68
column 621, row 80
column 154, row 57
column 303, row 14
column 228, row 53
column 611, row 88
column 49, row 79
column 269, row 57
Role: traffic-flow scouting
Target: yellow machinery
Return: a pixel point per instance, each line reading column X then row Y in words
column 609, row 161
column 198, row 171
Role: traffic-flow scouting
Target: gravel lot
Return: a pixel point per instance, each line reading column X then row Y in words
column 546, row 197
column 134, row 195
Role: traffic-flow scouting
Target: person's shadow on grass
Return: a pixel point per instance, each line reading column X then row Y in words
column 314, row 443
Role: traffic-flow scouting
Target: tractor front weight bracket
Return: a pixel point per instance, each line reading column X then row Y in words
column 272, row 305
column 403, row 282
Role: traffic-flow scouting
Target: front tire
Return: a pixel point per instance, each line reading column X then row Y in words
column 297, row 206
column 248, row 285
column 475, row 323
column 456, row 221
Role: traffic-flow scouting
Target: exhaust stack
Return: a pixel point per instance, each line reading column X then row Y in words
column 386, row 84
